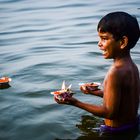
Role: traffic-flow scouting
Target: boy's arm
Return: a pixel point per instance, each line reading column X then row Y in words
column 94, row 109
column 86, row 90
column 111, row 100
column 98, row 92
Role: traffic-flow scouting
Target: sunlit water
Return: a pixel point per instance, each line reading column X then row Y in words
column 43, row 43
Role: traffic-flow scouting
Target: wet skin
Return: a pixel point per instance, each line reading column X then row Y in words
column 121, row 85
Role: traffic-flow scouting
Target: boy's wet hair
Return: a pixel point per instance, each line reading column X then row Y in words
column 120, row 24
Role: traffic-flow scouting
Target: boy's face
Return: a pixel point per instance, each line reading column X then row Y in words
column 108, row 45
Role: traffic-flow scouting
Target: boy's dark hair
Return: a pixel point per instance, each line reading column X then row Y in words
column 120, row 24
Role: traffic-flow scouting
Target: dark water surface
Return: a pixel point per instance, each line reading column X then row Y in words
column 42, row 43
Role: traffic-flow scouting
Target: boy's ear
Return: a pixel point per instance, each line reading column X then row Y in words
column 124, row 42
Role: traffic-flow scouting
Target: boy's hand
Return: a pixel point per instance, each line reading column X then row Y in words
column 84, row 88
column 89, row 88
column 68, row 101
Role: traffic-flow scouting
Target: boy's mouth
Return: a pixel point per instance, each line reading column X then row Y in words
column 104, row 52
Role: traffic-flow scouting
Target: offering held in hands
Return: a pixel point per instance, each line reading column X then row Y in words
column 91, row 86
column 64, row 93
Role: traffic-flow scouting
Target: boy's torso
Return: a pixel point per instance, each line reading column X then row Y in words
column 128, row 88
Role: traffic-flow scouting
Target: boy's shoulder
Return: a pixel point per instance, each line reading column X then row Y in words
column 123, row 70
column 118, row 71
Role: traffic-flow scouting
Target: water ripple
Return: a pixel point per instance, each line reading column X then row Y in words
column 43, row 43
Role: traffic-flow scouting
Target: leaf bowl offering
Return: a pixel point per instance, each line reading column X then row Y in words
column 91, row 86
column 4, row 82
column 64, row 93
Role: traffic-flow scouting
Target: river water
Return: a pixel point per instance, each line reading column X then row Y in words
column 43, row 43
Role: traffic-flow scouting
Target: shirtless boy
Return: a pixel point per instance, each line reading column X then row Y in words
column 118, row 33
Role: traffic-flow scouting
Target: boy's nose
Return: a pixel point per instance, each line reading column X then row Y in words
column 99, row 44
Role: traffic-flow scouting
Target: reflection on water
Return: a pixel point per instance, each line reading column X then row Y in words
column 90, row 130
column 88, row 123
column 43, row 43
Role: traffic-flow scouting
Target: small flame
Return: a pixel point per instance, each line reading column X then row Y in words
column 63, row 86
column 10, row 79
column 69, row 87
column 63, row 89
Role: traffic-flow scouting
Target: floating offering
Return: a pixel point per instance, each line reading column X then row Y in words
column 91, row 86
column 4, row 82
column 64, row 93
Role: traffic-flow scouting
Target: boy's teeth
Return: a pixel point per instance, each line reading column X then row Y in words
column 104, row 52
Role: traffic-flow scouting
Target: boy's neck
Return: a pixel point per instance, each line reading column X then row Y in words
column 123, row 57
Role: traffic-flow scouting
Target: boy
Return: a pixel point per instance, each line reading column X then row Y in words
column 118, row 32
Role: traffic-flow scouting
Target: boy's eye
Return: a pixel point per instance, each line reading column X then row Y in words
column 104, row 38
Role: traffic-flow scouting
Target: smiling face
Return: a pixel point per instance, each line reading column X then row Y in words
column 109, row 46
